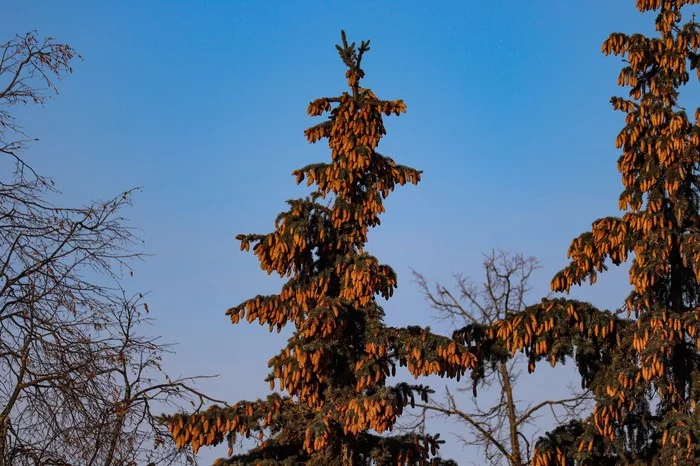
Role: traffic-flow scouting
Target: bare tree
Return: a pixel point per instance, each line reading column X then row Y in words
column 499, row 428
column 29, row 67
column 79, row 379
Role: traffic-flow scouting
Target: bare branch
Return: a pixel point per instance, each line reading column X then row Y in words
column 570, row 404
column 78, row 380
column 496, row 428
column 487, row 434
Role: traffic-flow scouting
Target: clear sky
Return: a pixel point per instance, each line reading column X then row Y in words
column 202, row 103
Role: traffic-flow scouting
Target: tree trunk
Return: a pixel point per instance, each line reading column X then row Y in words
column 116, row 436
column 3, row 441
column 347, row 454
column 679, row 361
column 515, row 458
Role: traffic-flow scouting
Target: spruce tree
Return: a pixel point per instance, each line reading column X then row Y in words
column 642, row 362
column 648, row 388
column 336, row 364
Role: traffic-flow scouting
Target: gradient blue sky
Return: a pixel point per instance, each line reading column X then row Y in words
column 203, row 104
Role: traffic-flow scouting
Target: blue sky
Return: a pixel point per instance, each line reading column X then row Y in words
column 203, row 105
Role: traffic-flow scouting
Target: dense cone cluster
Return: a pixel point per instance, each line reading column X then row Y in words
column 335, row 365
column 644, row 366
column 642, row 362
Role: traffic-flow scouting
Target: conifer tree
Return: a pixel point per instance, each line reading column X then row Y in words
column 335, row 366
column 642, row 362
column 648, row 380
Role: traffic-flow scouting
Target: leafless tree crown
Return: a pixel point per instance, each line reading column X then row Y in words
column 499, row 426
column 78, row 378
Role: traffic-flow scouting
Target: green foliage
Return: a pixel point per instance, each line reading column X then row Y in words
column 336, row 363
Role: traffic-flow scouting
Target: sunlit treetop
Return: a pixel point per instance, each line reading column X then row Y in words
column 335, row 366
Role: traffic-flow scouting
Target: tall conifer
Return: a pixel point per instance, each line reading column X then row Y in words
column 335, row 366
column 648, row 388
column 642, row 362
